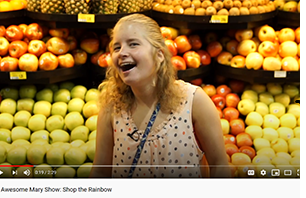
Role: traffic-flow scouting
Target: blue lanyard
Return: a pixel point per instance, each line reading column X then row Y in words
column 143, row 140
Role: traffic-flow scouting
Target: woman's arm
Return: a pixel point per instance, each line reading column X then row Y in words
column 104, row 146
column 209, row 134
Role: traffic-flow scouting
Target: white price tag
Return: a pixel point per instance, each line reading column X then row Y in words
column 280, row 74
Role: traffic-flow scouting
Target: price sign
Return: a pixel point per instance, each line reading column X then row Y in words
column 22, row 75
column 280, row 74
column 219, row 19
column 86, row 18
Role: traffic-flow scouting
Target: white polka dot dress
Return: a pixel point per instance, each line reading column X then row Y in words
column 171, row 150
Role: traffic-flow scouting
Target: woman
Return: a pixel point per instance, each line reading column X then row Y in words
column 142, row 80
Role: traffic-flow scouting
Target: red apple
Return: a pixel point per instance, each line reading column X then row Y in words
column 23, row 27
column 210, row 37
column 232, row 100
column 231, row 47
column 205, row 57
column 59, row 32
column 13, row 33
column 214, row 48
column 166, row 32
column 57, row 45
column 94, row 58
column 237, row 86
column 224, row 40
column 48, row 61
column 65, row 61
column 73, row 43
column 230, row 113
column 195, row 42
column 90, row 45
column 171, row 46
column 37, row 47
column 218, row 100
column 80, row 56
column 182, row 44
column 4, row 45
column 197, row 81
column 223, row 90
column 192, row 59
column 34, row 31
column 104, row 60
column 219, row 112
column 2, row 30
column 224, row 58
column 210, row 90
column 28, row 62
column 9, row 64
column 17, row 48
column 178, row 63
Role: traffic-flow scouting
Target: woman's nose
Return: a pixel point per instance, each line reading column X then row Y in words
column 123, row 52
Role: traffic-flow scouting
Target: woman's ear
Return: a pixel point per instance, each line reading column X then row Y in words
column 160, row 56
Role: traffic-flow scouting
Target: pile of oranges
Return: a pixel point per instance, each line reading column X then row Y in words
column 10, row 5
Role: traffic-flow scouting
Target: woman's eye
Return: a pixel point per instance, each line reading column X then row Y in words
column 133, row 44
column 116, row 48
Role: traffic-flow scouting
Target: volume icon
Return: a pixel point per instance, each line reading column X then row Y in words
column 27, row 172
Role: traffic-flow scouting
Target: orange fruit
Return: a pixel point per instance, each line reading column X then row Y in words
column 5, row 6
column 237, row 126
column 231, row 149
column 240, row 158
column 248, row 150
column 16, row 5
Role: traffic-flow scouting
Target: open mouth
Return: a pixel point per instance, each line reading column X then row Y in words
column 127, row 66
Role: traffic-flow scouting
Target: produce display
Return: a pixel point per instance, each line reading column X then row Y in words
column 51, row 125
column 11, row 5
column 288, row 5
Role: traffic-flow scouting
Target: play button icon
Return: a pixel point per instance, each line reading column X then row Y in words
column 1, row 172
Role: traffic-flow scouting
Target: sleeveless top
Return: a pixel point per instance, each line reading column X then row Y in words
column 170, row 151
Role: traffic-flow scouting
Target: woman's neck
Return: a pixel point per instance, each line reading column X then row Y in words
column 145, row 95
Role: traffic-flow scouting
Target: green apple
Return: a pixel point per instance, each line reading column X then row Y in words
column 285, row 133
column 55, row 156
column 78, row 91
column 91, row 149
column 42, row 107
column 254, row 131
column 245, row 106
column 20, row 132
column 271, row 121
column 6, row 168
column 73, row 119
column 6, row 120
column 291, row 90
column 66, row 85
column 267, row 151
column 21, row 118
column 40, row 134
column 8, row 105
column 279, row 145
column 21, row 142
column 3, row 153
column 27, row 91
column 75, row 156
column 266, row 97
column 91, row 122
column 25, row 104
column 10, row 92
column 260, row 143
column 77, row 143
column 54, row 87
column 254, row 118
column 259, row 88
column 282, row 98
column 62, row 95
column 37, row 122
column 294, row 109
column 92, row 135
column 20, row 171
column 76, row 104
column 269, row 134
column 45, row 94
column 45, row 168
column 84, row 170
column 92, row 94
column 250, row 94
column 55, row 122
column 277, row 109
column 59, row 135
column 274, row 88
column 288, row 120
column 296, row 132
column 5, row 135
column 36, row 154
column 59, row 108
column 17, row 155
column 65, row 171
column 91, row 108
column 293, row 144
column 261, row 108
column 79, row 133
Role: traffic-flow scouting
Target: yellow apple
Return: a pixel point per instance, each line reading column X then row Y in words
column 59, row 108
column 254, row 131
column 282, row 98
column 92, row 94
column 260, row 143
column 288, row 48
column 288, row 120
column 75, row 156
column 3, row 153
column 284, row 155
column 296, row 132
column 266, row 33
column 40, row 142
column 20, row 132
column 78, row 91
column 274, row 88
column 79, row 133
column 293, row 144
column 225, row 126
column 286, row 34
column 17, row 155
column 295, row 153
column 90, row 151
column 261, row 159
column 272, row 64
column 5, row 135
column 91, row 122
column 59, row 135
column 37, row 122
column 250, row 94
column 6, row 121
column 84, row 170
column 245, row 47
column 55, row 156
column 73, row 119
column 25, row 104
column 259, row 88
column 279, row 145
column 261, row 108
column 271, row 121
column 42, row 107
column 254, row 118
column 62, row 95
column 36, row 154
column 45, row 94
column 245, row 106
column 40, row 134
column 77, row 143
column 277, row 109
column 266, row 97
column 285, row 133
column 21, row 142
column 75, row 104
column 21, row 118
column 8, row 105
column 291, row 90
column 268, row 49
column 269, row 134
column 92, row 135
column 267, row 151
column 55, row 122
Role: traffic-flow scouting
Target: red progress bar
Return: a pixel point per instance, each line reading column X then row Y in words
column 16, row 165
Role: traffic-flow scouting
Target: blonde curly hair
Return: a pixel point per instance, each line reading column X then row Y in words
column 119, row 96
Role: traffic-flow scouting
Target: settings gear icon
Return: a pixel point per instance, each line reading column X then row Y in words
column 263, row 172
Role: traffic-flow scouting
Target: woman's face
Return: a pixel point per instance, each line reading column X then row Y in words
column 132, row 55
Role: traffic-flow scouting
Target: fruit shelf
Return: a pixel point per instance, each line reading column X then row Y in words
column 204, row 22
column 44, row 77
column 17, row 16
column 291, row 19
column 257, row 76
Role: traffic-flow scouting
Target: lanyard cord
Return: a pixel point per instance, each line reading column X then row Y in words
column 143, row 140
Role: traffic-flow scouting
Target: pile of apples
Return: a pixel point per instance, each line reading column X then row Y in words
column 54, row 125
column 35, row 47
column 261, row 48
column 10, row 5
column 261, row 129
column 287, row 5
